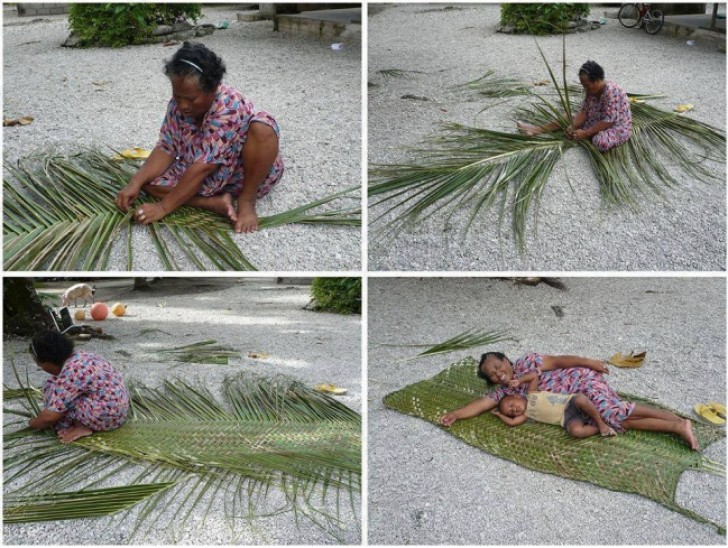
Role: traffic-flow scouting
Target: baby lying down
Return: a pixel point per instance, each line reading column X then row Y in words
column 578, row 415
column 571, row 411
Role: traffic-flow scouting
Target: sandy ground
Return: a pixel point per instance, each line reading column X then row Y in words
column 116, row 98
column 249, row 315
column 453, row 44
column 427, row 487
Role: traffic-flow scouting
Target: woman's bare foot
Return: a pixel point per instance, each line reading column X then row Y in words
column 607, row 431
column 246, row 220
column 78, row 430
column 528, row 129
column 222, row 204
column 685, row 431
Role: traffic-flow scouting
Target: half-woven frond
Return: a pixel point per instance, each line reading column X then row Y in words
column 261, row 434
column 645, row 463
column 60, row 215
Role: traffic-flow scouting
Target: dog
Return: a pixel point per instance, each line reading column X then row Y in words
column 76, row 292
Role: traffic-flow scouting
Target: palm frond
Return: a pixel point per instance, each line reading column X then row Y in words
column 60, row 215
column 90, row 503
column 261, row 434
column 398, row 73
column 481, row 169
column 202, row 352
column 491, row 86
column 467, row 339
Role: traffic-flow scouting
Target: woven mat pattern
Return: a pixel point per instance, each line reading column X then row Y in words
column 645, row 463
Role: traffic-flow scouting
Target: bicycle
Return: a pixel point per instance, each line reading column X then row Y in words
column 631, row 15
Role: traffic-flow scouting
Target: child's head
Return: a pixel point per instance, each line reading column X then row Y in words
column 51, row 347
column 512, row 406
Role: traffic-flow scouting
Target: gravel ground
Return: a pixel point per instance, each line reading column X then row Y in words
column 427, row 487
column 314, row 93
column 250, row 315
column 686, row 231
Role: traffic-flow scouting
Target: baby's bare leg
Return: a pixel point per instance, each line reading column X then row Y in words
column 578, row 429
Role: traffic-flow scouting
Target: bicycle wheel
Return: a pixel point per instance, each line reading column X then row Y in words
column 629, row 15
column 654, row 19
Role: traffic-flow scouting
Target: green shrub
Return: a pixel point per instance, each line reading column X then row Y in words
column 119, row 25
column 541, row 18
column 341, row 295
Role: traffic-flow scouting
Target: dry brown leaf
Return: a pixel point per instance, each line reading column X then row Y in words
column 258, row 355
column 542, row 83
column 24, row 121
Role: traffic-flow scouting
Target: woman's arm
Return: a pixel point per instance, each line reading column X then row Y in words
column 566, row 362
column 473, row 409
column 45, row 419
column 157, row 163
column 188, row 186
column 510, row 421
column 528, row 378
column 588, row 133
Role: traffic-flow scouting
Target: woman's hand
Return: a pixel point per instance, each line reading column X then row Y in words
column 448, row 419
column 579, row 134
column 128, row 195
column 600, row 367
column 149, row 213
column 514, row 383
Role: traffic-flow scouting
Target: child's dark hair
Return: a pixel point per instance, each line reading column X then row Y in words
column 483, row 358
column 592, row 70
column 194, row 59
column 51, row 346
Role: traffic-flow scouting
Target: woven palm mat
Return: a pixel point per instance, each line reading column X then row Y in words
column 645, row 463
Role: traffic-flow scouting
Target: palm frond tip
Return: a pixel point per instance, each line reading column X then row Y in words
column 261, row 434
column 60, row 215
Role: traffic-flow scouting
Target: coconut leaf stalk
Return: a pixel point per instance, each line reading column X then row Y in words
column 202, row 352
column 261, row 438
column 59, row 214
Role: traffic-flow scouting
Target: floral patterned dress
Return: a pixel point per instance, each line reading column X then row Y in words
column 611, row 106
column 90, row 390
column 570, row 381
column 218, row 141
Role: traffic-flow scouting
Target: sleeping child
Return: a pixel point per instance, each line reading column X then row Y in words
column 581, row 418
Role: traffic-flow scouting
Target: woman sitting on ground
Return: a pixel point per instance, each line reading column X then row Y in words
column 85, row 393
column 212, row 147
column 560, row 375
column 605, row 116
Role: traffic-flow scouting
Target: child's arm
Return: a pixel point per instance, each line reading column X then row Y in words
column 584, row 404
column 45, row 419
column 510, row 421
column 473, row 409
column 565, row 362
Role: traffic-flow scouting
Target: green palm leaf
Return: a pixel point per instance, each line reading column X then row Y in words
column 78, row 504
column 60, row 215
column 261, row 434
column 467, row 339
column 202, row 352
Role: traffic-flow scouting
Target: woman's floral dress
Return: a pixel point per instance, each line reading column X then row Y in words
column 611, row 106
column 90, row 390
column 570, row 381
column 218, row 141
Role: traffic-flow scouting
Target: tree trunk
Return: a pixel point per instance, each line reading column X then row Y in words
column 23, row 312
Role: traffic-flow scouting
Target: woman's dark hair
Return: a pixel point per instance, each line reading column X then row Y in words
column 592, row 70
column 194, row 59
column 51, row 346
column 483, row 358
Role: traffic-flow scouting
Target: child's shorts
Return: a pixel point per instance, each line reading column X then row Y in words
column 573, row 413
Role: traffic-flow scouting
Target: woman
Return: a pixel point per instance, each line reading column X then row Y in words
column 85, row 393
column 212, row 147
column 605, row 116
column 562, row 375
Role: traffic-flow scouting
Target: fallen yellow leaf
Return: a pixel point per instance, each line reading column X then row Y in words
column 258, row 355
column 542, row 83
column 330, row 389
column 684, row 108
column 630, row 361
column 136, row 153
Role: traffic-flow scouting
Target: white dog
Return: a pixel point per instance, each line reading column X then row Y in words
column 76, row 292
